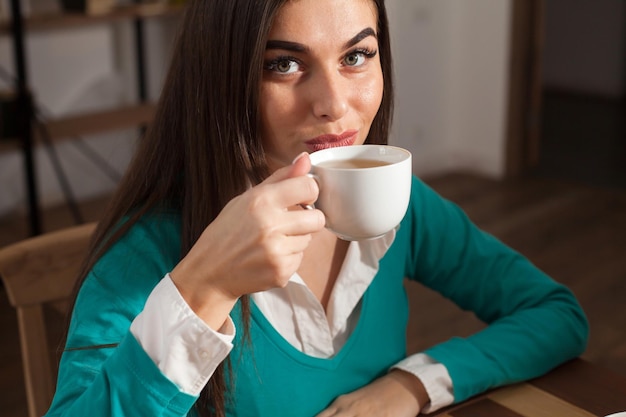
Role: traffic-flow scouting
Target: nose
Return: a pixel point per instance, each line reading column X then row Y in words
column 329, row 95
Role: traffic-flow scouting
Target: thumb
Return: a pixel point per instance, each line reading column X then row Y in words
column 301, row 165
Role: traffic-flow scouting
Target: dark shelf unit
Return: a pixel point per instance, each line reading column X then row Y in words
column 138, row 115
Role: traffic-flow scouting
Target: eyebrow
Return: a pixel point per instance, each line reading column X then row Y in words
column 298, row 47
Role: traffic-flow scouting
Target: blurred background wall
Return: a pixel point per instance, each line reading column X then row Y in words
column 451, row 62
column 583, row 120
column 585, row 47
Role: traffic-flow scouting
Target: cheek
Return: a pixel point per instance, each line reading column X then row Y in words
column 269, row 111
column 370, row 97
column 275, row 109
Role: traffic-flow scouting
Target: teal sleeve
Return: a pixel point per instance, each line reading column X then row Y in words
column 103, row 370
column 116, row 381
column 534, row 323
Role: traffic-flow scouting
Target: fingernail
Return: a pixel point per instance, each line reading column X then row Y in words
column 298, row 157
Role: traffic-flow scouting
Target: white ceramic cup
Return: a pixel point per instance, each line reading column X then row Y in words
column 362, row 201
column 621, row 414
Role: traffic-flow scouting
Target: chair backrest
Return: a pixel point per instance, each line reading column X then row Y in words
column 38, row 271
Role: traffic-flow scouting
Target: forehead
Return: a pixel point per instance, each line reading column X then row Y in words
column 311, row 21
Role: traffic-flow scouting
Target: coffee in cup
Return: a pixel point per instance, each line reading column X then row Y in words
column 364, row 189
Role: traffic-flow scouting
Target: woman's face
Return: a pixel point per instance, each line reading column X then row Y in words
column 322, row 80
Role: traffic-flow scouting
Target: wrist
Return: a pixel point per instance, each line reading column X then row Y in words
column 413, row 385
column 209, row 303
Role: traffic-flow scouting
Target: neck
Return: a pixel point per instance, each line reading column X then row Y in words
column 321, row 264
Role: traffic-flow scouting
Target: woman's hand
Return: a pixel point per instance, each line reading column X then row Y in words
column 397, row 394
column 256, row 243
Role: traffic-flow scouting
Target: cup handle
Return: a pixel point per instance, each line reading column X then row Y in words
column 311, row 206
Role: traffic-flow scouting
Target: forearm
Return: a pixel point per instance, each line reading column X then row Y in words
column 433, row 377
column 181, row 344
column 127, row 383
column 411, row 384
column 519, row 347
column 534, row 322
column 167, row 358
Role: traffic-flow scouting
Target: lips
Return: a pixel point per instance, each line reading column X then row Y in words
column 326, row 141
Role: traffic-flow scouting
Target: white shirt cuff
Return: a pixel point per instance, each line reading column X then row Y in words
column 184, row 347
column 434, row 377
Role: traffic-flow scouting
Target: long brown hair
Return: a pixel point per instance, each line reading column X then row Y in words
column 203, row 147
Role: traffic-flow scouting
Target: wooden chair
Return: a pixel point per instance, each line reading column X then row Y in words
column 39, row 271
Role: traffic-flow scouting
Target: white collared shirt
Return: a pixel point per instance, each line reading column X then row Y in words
column 187, row 351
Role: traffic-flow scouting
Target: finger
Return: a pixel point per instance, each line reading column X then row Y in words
column 291, row 263
column 301, row 165
column 302, row 222
column 292, row 191
column 289, row 245
column 329, row 412
column 297, row 244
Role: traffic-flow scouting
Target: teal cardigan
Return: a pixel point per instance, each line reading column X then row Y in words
column 534, row 324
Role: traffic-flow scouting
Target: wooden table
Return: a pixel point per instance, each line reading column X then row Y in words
column 575, row 389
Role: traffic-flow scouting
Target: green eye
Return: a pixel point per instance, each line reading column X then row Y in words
column 354, row 60
column 358, row 57
column 283, row 65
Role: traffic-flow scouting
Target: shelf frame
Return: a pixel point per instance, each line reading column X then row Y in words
column 67, row 20
column 67, row 128
column 126, row 117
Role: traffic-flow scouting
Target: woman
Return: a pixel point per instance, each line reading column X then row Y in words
column 208, row 290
